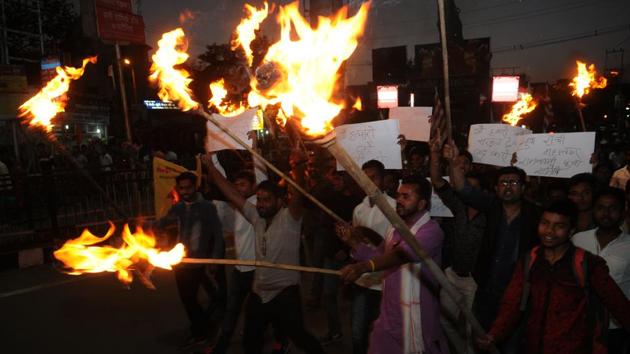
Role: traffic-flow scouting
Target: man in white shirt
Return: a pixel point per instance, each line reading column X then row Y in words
column 622, row 175
column 613, row 245
column 366, row 297
column 242, row 231
column 275, row 297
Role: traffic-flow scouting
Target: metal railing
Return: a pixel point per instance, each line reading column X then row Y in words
column 38, row 208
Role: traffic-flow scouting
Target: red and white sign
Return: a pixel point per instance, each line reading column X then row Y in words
column 118, row 5
column 505, row 88
column 387, row 96
column 119, row 26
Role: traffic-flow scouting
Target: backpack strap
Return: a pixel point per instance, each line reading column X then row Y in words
column 530, row 258
column 580, row 268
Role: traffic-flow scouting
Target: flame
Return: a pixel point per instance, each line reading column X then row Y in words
column 219, row 92
column 524, row 105
column 585, row 80
column 185, row 16
column 357, row 104
column 300, row 71
column 173, row 82
column 81, row 256
column 45, row 105
column 246, row 30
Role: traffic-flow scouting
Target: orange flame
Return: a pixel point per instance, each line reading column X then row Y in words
column 524, row 105
column 357, row 104
column 585, row 80
column 219, row 92
column 45, row 105
column 81, row 256
column 246, row 30
column 173, row 82
column 185, row 16
column 300, row 72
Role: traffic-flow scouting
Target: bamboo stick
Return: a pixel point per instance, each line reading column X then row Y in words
column 263, row 264
column 397, row 222
column 578, row 105
column 308, row 195
column 447, row 89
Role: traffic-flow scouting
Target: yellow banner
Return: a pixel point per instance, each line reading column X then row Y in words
column 164, row 194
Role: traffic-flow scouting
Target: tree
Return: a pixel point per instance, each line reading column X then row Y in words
column 58, row 20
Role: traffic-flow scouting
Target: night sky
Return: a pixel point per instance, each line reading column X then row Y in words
column 410, row 22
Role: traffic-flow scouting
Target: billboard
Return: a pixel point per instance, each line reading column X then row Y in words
column 505, row 88
column 387, row 96
column 114, row 25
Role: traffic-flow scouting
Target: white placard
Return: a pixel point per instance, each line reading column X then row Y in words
column 371, row 141
column 494, row 144
column 556, row 155
column 438, row 209
column 414, row 121
column 240, row 125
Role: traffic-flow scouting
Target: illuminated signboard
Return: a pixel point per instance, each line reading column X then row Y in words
column 505, row 88
column 387, row 96
column 156, row 104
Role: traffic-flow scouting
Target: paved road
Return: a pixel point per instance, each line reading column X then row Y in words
column 95, row 314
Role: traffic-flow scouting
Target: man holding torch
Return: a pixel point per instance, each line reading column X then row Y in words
column 276, row 292
column 409, row 314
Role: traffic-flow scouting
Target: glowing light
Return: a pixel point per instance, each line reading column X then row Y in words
column 44, row 106
column 81, row 255
column 524, row 105
column 585, row 80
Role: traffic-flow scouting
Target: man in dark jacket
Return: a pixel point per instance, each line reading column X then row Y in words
column 510, row 232
column 200, row 232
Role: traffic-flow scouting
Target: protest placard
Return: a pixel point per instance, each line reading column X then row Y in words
column 556, row 155
column 414, row 122
column 494, row 144
column 240, row 125
column 371, row 141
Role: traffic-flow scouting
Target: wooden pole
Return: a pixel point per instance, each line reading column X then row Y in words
column 397, row 222
column 578, row 105
column 308, row 195
column 447, row 89
column 262, row 264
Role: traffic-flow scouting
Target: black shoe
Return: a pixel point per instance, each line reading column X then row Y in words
column 331, row 338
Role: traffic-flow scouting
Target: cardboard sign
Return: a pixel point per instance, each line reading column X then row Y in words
column 371, row 141
column 556, row 155
column 240, row 125
column 414, row 122
column 494, row 144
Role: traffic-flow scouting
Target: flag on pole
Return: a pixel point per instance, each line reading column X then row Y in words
column 438, row 120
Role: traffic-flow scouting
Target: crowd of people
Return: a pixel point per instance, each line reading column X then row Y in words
column 544, row 264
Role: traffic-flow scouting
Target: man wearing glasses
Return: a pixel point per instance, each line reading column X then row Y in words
column 510, row 232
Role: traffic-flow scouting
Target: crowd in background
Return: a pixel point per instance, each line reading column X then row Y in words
column 502, row 242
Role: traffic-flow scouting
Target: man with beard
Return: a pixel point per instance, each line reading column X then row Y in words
column 276, row 293
column 409, row 314
column 581, row 190
column 201, row 233
column 613, row 245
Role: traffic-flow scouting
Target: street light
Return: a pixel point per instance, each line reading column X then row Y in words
column 127, row 62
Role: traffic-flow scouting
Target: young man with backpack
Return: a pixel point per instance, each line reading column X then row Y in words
column 559, row 293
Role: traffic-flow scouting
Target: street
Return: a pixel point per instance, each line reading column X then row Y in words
column 97, row 314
